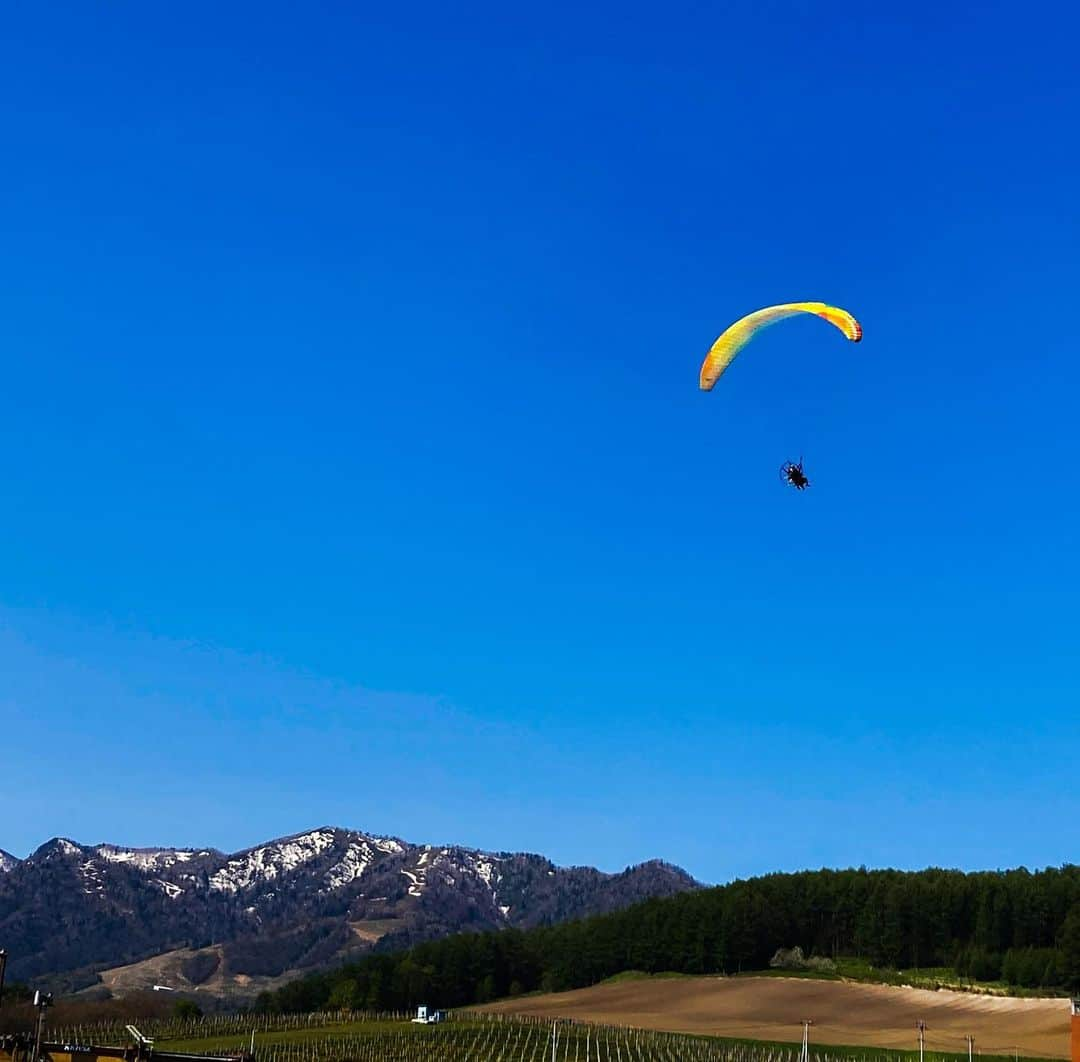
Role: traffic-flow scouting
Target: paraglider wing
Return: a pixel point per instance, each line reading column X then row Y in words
column 723, row 351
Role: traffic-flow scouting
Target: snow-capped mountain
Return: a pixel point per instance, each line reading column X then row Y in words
column 7, row 862
column 290, row 904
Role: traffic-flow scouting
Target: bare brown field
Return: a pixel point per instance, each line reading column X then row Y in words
column 772, row 1008
column 372, row 929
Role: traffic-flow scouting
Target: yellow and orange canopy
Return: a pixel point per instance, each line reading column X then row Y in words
column 723, row 351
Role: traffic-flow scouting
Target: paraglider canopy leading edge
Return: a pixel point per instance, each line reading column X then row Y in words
column 723, row 351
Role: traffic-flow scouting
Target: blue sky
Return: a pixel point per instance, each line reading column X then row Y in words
column 353, row 467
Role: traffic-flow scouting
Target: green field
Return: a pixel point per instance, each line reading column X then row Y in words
column 334, row 1032
column 358, row 1038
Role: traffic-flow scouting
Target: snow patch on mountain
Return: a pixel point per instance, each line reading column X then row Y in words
column 357, row 858
column 148, row 859
column 486, row 872
column 7, row 861
column 269, row 861
column 360, row 854
column 485, row 867
column 418, row 876
column 91, row 877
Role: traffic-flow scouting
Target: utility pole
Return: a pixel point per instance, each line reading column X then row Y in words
column 41, row 1001
column 921, row 1026
column 3, row 967
column 805, row 1056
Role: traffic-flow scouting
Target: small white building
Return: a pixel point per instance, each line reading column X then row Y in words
column 425, row 1015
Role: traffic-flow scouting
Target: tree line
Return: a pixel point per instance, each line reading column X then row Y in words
column 1015, row 925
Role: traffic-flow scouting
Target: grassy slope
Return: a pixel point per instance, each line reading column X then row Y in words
column 931, row 977
column 850, row 969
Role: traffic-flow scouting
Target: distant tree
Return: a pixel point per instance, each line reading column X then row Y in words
column 187, row 1009
column 984, row 965
column 200, row 966
column 376, row 993
column 551, row 982
column 1070, row 947
column 1031, row 967
column 17, row 992
column 345, row 995
column 869, row 929
column 1052, row 975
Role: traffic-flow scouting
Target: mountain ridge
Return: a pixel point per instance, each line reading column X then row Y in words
column 294, row 903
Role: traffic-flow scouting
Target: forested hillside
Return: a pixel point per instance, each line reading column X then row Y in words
column 1019, row 925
